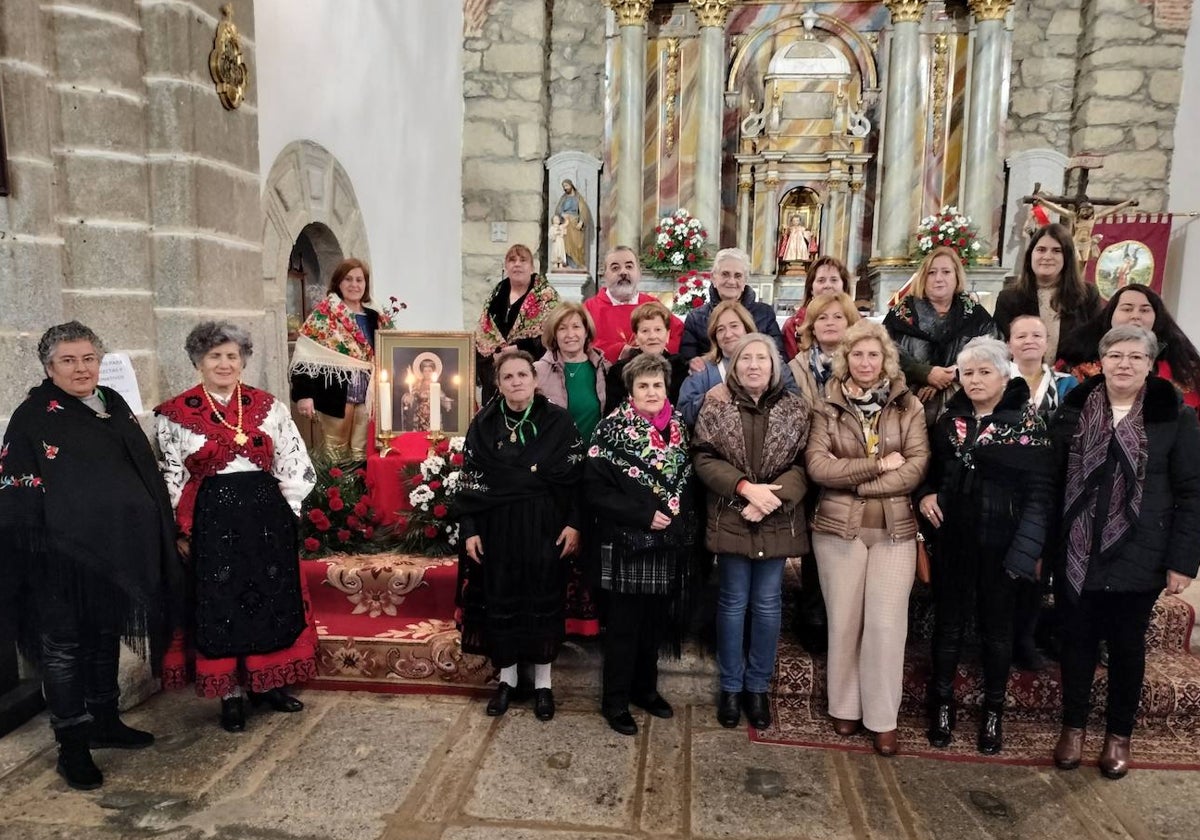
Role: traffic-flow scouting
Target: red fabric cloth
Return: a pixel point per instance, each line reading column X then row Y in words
column 791, row 344
column 385, row 474
column 613, row 331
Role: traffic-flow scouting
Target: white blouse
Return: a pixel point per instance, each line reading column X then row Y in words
column 291, row 465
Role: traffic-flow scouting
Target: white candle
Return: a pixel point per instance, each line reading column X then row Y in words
column 435, row 406
column 385, row 402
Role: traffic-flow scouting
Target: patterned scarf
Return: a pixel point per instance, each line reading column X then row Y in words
column 1090, row 452
column 332, row 345
column 539, row 300
column 821, row 366
column 657, row 460
column 868, row 407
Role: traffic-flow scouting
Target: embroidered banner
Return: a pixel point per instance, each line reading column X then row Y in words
column 1133, row 249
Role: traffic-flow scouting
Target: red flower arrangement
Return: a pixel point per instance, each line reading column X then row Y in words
column 338, row 516
column 429, row 527
column 691, row 293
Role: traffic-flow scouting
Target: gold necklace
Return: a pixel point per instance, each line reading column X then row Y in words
column 239, row 437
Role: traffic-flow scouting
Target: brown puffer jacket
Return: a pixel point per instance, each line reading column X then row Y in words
column 851, row 476
column 738, row 439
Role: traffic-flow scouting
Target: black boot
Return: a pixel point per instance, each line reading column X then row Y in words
column 991, row 729
column 941, row 723
column 233, row 714
column 109, row 731
column 75, row 760
column 729, row 709
column 277, row 699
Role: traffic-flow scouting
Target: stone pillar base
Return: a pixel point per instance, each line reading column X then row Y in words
column 572, row 286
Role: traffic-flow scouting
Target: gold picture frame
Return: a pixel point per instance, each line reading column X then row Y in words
column 417, row 368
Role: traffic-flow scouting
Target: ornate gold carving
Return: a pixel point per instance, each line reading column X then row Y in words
column 906, row 11
column 772, row 180
column 856, row 185
column 671, row 93
column 711, row 12
column 990, row 9
column 225, row 62
column 745, row 185
column 941, row 70
column 631, row 12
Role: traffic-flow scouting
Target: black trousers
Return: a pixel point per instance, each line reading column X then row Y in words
column 1121, row 619
column 1027, row 610
column 631, row 642
column 79, row 672
column 966, row 584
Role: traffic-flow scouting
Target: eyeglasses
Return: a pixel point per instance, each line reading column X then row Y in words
column 1132, row 358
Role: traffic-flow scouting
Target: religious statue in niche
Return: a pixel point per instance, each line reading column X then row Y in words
column 423, row 388
column 558, row 242
column 577, row 218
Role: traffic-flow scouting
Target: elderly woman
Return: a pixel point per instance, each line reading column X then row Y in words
column 86, row 542
column 868, row 449
column 237, row 471
column 651, row 324
column 1178, row 361
column 826, row 276
column 729, row 323
column 334, row 358
column 1049, row 286
column 932, row 324
column 637, row 479
column 731, row 270
column 518, row 516
column 572, row 373
column 749, row 440
column 1130, row 454
column 514, row 317
column 987, row 499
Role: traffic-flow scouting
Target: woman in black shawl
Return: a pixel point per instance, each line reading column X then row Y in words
column 87, row 540
column 518, row 520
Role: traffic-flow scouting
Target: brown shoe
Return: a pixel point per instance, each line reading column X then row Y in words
column 1068, row 752
column 885, row 743
column 1114, row 758
column 846, row 728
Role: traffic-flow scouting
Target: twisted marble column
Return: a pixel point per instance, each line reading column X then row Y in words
column 981, row 172
column 710, row 82
column 631, row 121
column 898, row 207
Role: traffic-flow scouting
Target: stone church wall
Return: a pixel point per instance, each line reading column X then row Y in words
column 135, row 196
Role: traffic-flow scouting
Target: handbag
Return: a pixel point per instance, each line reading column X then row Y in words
column 924, row 573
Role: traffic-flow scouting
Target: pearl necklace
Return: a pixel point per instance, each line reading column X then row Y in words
column 239, row 437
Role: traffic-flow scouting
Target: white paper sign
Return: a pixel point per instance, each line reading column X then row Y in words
column 116, row 371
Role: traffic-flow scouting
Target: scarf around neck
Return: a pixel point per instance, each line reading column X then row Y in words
column 539, row 300
column 1097, row 441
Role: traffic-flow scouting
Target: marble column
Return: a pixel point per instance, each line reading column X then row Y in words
column 745, row 184
column 834, row 238
column 710, row 111
column 631, row 119
column 858, row 206
column 898, row 206
column 981, row 157
column 766, row 198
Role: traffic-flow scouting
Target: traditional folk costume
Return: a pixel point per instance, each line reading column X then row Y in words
column 332, row 366
column 638, row 466
column 517, row 493
column 236, row 474
column 86, row 548
column 519, row 324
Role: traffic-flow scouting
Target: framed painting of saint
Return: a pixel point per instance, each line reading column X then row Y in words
column 426, row 381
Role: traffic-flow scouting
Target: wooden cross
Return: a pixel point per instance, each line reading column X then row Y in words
column 1079, row 210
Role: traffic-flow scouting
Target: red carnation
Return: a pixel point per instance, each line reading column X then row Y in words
column 962, row 242
column 360, row 472
column 439, row 511
column 311, row 544
column 323, row 525
column 661, row 255
column 443, row 447
column 336, row 503
column 691, row 257
column 692, row 273
column 360, row 507
column 456, row 459
column 343, row 534
column 333, row 492
column 335, row 472
column 316, row 515
column 698, row 283
column 435, row 485
column 353, row 522
column 697, row 303
column 431, row 531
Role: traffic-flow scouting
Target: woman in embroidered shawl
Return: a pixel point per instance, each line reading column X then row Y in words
column 932, row 324
column 1129, row 451
column 86, row 546
column 237, row 471
column 637, row 480
column 748, row 447
column 334, row 358
column 513, row 319
column 519, row 521
column 987, row 500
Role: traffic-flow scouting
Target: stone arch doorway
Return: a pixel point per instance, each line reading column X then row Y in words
column 309, row 204
column 315, row 254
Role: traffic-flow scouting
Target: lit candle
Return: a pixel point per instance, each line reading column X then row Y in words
column 435, row 406
column 385, row 402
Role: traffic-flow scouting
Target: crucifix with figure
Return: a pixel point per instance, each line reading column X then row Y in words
column 1079, row 210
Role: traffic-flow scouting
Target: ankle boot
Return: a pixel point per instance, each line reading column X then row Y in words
column 1114, row 758
column 233, row 714
column 1069, row 750
column 991, row 730
column 942, row 718
column 75, row 763
column 109, row 731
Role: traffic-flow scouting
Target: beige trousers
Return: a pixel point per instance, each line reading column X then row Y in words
column 345, row 438
column 866, row 582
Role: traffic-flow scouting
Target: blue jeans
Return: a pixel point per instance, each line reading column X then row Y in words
column 753, row 584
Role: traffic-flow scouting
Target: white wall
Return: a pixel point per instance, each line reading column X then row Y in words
column 1181, row 286
column 378, row 83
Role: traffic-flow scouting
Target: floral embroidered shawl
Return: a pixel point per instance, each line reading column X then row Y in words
column 656, row 460
column 540, row 299
column 332, row 345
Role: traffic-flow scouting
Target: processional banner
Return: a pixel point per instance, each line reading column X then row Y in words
column 1133, row 249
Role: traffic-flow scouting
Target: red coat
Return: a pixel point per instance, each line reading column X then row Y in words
column 613, row 330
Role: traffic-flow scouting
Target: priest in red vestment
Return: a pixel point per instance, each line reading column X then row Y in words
column 612, row 307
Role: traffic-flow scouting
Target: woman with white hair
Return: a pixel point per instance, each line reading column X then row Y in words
column 731, row 270
column 987, row 499
column 1129, row 452
column 748, row 447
